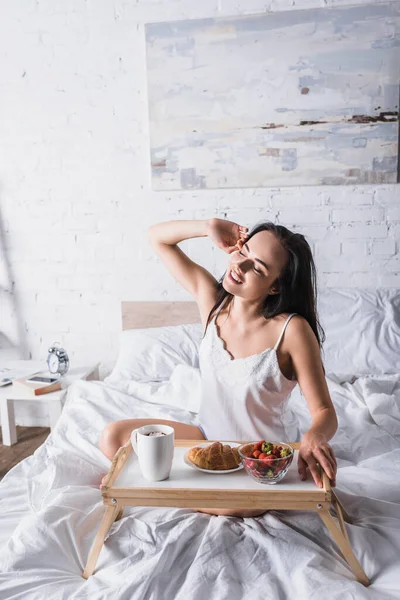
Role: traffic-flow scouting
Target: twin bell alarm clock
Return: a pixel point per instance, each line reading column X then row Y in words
column 57, row 360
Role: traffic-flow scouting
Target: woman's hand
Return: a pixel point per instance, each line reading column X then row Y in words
column 315, row 449
column 227, row 235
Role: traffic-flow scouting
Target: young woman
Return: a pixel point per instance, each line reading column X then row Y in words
column 261, row 339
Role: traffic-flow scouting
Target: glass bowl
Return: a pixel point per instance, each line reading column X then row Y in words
column 268, row 470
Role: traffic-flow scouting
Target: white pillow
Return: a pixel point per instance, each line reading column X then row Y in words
column 152, row 354
column 362, row 329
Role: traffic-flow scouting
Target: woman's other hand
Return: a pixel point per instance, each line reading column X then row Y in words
column 227, row 235
column 313, row 450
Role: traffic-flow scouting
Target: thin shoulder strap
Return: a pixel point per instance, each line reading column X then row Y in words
column 283, row 330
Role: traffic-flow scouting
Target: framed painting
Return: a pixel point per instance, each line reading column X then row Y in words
column 306, row 97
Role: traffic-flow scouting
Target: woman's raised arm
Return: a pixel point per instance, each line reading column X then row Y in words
column 199, row 282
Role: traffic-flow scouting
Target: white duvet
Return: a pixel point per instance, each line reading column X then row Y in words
column 51, row 508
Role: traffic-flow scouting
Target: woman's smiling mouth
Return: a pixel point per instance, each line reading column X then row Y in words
column 233, row 277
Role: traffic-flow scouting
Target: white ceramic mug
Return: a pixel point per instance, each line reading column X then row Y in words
column 155, row 453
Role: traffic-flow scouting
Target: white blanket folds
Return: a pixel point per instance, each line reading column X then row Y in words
column 50, row 510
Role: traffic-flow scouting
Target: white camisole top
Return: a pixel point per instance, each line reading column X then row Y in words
column 244, row 398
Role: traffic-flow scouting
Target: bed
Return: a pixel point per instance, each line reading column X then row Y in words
column 50, row 504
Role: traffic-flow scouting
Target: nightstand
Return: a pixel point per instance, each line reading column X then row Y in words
column 53, row 399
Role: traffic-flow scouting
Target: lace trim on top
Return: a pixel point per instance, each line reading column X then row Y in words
column 256, row 366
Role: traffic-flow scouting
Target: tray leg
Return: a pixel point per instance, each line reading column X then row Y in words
column 344, row 545
column 336, row 502
column 120, row 513
column 340, row 518
column 109, row 517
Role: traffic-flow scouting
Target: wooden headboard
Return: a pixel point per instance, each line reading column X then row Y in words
column 138, row 315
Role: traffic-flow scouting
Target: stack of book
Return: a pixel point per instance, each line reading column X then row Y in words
column 37, row 384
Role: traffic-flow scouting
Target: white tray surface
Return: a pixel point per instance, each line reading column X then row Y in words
column 184, row 476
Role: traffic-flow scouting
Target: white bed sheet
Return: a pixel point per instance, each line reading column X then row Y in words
column 50, row 510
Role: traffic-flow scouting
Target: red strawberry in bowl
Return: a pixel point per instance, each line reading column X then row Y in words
column 265, row 461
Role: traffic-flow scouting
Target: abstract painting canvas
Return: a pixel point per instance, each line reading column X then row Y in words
column 306, row 97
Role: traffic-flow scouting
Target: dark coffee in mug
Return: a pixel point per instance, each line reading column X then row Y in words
column 155, row 433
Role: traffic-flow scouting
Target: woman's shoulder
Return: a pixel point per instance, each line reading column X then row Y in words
column 297, row 332
column 282, row 317
column 277, row 323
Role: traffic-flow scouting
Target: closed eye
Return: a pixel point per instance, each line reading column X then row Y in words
column 254, row 269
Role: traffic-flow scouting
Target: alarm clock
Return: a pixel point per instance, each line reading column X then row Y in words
column 57, row 360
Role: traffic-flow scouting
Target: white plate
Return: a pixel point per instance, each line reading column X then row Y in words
column 218, row 472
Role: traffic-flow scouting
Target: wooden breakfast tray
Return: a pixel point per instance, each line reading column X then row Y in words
column 189, row 488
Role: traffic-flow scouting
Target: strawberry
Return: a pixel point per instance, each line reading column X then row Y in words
column 267, row 447
column 261, row 456
column 256, row 454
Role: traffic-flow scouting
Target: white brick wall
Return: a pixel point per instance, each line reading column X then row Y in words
column 75, row 196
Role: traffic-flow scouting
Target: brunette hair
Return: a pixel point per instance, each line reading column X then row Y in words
column 297, row 282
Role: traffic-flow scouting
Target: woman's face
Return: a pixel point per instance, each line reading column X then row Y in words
column 253, row 269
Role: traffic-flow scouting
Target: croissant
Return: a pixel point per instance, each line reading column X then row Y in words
column 215, row 457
